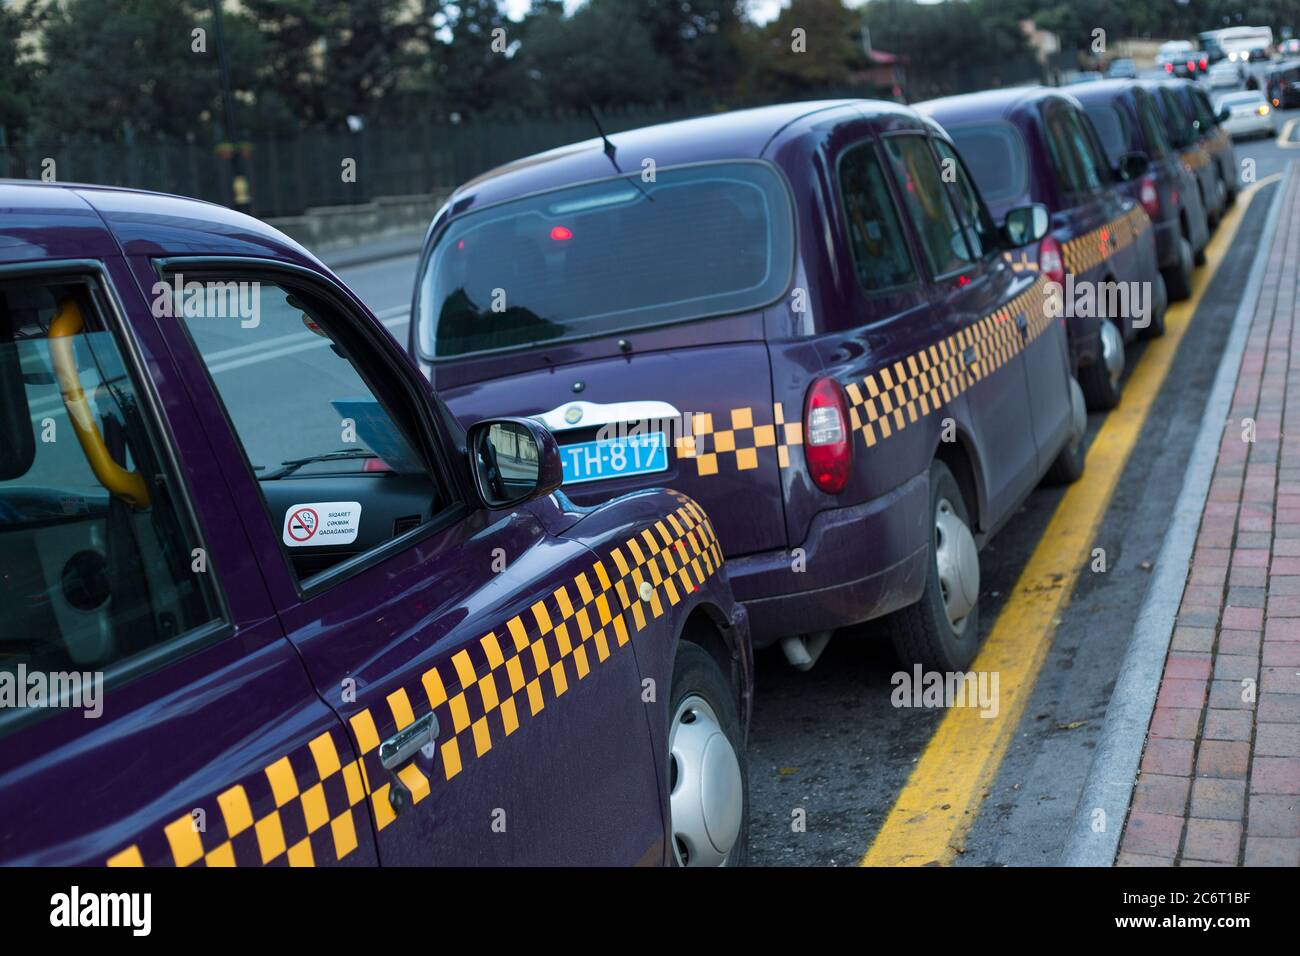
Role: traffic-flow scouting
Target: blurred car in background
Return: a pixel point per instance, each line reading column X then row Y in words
column 1121, row 69
column 1036, row 145
column 1224, row 75
column 1245, row 115
column 1127, row 119
column 1282, row 86
column 1180, row 58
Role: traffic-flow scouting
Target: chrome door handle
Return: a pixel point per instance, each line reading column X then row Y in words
column 406, row 743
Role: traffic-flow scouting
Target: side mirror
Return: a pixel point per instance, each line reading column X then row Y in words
column 1224, row 114
column 1132, row 165
column 1026, row 224
column 514, row 460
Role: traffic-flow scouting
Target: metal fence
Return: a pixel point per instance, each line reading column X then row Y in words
column 293, row 172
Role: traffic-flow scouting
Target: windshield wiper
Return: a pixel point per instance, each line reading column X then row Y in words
column 289, row 467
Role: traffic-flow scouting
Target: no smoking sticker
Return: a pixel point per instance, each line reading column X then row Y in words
column 320, row 524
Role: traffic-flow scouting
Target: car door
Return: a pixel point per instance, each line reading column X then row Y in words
column 1043, row 341
column 125, row 581
column 970, row 289
column 475, row 645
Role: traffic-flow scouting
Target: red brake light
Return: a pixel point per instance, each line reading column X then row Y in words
column 1203, row 62
column 561, row 233
column 1150, row 197
column 1051, row 264
column 1169, row 68
column 1191, row 65
column 827, row 441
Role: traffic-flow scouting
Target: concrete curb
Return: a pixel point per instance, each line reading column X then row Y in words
column 1110, row 781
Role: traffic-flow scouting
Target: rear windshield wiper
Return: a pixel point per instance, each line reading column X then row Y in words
column 289, row 467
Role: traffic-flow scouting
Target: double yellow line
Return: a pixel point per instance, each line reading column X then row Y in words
column 934, row 811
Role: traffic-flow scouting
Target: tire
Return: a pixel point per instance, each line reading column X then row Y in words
column 1178, row 280
column 1069, row 463
column 1159, row 306
column 1101, row 387
column 702, row 709
column 923, row 633
column 1211, row 215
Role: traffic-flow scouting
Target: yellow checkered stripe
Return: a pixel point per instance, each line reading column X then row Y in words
column 891, row 398
column 737, row 445
column 1093, row 248
column 311, row 799
column 532, row 661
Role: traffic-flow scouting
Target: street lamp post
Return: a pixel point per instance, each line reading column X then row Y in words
column 241, row 195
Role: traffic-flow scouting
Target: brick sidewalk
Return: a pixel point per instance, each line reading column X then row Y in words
column 1220, row 775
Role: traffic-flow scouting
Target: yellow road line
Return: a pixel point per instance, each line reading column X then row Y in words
column 935, row 809
column 1284, row 138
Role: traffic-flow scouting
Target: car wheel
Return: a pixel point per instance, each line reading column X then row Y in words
column 1068, row 466
column 941, row 631
column 1178, row 280
column 1101, row 380
column 1159, row 306
column 708, row 784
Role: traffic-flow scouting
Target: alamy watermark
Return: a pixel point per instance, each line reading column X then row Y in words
column 208, row 300
column 21, row 689
column 934, row 689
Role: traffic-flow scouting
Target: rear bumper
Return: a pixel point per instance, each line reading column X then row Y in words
column 855, row 564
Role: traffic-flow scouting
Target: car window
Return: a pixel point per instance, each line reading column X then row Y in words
column 1062, row 152
column 995, row 155
column 590, row 259
column 338, row 471
column 981, row 231
column 1153, row 130
column 1176, row 119
column 880, row 253
column 96, row 562
column 1204, row 112
column 1091, row 161
column 1112, row 129
column 929, row 205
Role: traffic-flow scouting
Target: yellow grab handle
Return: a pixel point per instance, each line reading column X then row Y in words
column 128, row 485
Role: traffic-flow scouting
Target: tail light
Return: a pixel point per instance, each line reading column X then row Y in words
column 827, row 445
column 1150, row 197
column 1051, row 264
column 1191, row 66
column 1169, row 68
column 1203, row 64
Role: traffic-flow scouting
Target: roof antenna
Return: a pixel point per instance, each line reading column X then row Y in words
column 609, row 152
column 609, row 147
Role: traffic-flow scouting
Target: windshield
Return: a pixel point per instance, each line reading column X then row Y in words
column 608, row 256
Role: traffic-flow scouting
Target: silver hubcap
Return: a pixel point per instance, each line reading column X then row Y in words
column 707, row 800
column 1078, row 413
column 958, row 564
column 1112, row 350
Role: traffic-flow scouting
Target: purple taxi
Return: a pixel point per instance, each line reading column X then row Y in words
column 266, row 603
column 1036, row 144
column 790, row 314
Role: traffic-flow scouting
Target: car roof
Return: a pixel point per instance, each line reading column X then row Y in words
column 1000, row 104
column 1103, row 91
column 736, row 135
column 56, row 218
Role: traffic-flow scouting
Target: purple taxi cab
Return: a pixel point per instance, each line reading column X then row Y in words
column 266, row 603
column 1127, row 119
column 790, row 314
column 1200, row 139
column 1035, row 144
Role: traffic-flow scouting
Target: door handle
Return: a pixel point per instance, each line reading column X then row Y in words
column 406, row 743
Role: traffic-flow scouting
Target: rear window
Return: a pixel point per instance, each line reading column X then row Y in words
column 607, row 256
column 1112, row 130
column 995, row 155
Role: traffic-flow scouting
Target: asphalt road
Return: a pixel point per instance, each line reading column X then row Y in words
column 828, row 751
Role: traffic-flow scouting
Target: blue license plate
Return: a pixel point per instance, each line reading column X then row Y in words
column 614, row 457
